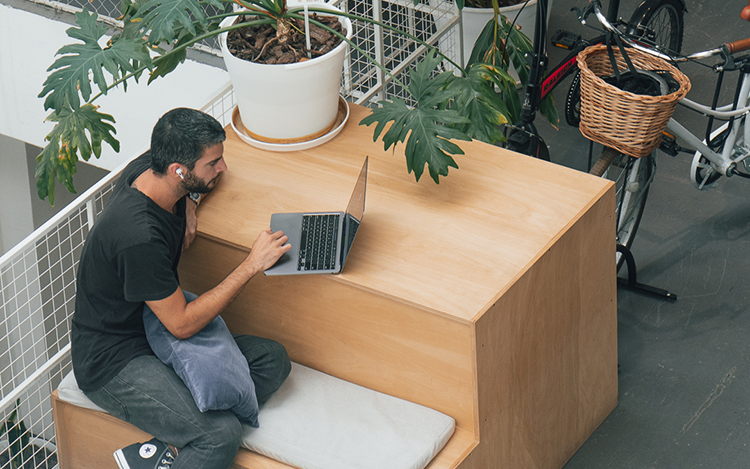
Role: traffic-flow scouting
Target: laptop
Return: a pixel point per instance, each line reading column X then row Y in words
column 320, row 241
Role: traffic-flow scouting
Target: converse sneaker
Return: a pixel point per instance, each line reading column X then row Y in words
column 150, row 455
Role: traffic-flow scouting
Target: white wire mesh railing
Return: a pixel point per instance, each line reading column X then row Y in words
column 37, row 300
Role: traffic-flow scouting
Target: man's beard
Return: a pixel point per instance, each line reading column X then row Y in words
column 193, row 183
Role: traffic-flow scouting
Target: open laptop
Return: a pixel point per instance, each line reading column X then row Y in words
column 320, row 241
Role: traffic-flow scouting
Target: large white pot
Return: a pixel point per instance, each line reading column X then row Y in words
column 291, row 102
column 475, row 19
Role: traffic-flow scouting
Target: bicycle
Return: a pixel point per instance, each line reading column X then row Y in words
column 656, row 25
column 720, row 154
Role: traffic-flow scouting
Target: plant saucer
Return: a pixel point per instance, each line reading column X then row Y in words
column 341, row 117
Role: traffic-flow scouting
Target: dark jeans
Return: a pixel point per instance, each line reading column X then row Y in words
column 149, row 394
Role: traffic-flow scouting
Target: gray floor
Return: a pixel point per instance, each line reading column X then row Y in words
column 684, row 366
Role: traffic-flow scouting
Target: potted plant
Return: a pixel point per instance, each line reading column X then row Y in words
column 477, row 13
column 154, row 41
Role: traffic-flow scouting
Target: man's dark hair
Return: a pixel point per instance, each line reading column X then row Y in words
column 180, row 136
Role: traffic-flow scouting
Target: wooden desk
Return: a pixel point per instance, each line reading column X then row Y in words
column 490, row 297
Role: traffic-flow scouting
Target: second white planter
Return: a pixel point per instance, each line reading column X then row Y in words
column 288, row 103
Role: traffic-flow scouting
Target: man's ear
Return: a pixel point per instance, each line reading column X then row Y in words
column 176, row 169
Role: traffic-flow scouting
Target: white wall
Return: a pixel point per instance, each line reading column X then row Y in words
column 16, row 220
column 28, row 44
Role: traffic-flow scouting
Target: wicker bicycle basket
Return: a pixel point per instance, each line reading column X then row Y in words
column 630, row 123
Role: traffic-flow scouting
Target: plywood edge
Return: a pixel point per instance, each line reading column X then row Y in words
column 610, row 186
column 461, row 444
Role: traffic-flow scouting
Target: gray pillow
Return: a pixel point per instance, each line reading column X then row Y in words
column 210, row 364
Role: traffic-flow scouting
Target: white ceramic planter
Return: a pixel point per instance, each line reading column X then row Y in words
column 291, row 102
column 475, row 19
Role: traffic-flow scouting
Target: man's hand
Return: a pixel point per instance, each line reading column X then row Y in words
column 183, row 320
column 267, row 249
column 191, row 219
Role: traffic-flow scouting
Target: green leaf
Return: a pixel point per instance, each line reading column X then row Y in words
column 489, row 47
column 78, row 61
column 518, row 46
column 164, row 18
column 45, row 171
column 427, row 128
column 477, row 100
column 498, row 46
column 77, row 132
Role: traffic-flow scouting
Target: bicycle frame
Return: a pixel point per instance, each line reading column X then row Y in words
column 569, row 64
column 726, row 161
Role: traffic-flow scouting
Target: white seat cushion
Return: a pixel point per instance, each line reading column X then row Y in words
column 316, row 421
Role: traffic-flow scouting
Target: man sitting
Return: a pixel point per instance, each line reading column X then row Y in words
column 129, row 262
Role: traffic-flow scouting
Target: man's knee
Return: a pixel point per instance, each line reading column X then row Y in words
column 269, row 364
column 223, row 434
column 276, row 369
column 280, row 357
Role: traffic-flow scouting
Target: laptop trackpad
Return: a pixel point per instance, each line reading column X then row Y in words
column 290, row 224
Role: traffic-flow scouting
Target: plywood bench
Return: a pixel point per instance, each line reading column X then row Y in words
column 490, row 298
column 313, row 421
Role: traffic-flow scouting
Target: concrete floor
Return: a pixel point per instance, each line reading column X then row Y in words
column 684, row 366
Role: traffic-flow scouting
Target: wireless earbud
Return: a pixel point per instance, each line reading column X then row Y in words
column 179, row 173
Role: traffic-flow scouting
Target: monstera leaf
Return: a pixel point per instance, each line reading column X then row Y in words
column 477, row 100
column 67, row 140
column 499, row 45
column 428, row 127
column 78, row 61
column 163, row 18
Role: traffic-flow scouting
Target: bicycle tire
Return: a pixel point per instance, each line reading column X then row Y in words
column 663, row 18
column 632, row 177
column 573, row 102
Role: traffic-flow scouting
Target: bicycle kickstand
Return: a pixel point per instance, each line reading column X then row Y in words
column 632, row 282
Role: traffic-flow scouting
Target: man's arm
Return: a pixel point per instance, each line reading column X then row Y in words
column 191, row 222
column 184, row 320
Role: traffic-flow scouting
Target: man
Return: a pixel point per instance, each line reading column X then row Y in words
column 129, row 261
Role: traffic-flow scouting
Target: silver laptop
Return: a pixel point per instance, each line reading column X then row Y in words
column 320, row 241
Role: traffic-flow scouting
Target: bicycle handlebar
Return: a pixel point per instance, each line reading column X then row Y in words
column 738, row 46
column 595, row 5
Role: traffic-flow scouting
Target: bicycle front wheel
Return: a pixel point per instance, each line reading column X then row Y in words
column 632, row 177
column 659, row 22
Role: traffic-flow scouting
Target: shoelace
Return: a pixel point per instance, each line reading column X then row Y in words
column 166, row 463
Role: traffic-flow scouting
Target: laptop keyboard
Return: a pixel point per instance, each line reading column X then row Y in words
column 319, row 241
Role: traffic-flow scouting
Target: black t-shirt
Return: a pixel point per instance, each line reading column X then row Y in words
column 130, row 256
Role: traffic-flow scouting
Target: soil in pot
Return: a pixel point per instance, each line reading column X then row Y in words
column 261, row 45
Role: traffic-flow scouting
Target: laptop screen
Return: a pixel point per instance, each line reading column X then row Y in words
column 354, row 212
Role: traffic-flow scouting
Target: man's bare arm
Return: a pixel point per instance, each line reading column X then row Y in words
column 184, row 320
column 191, row 223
